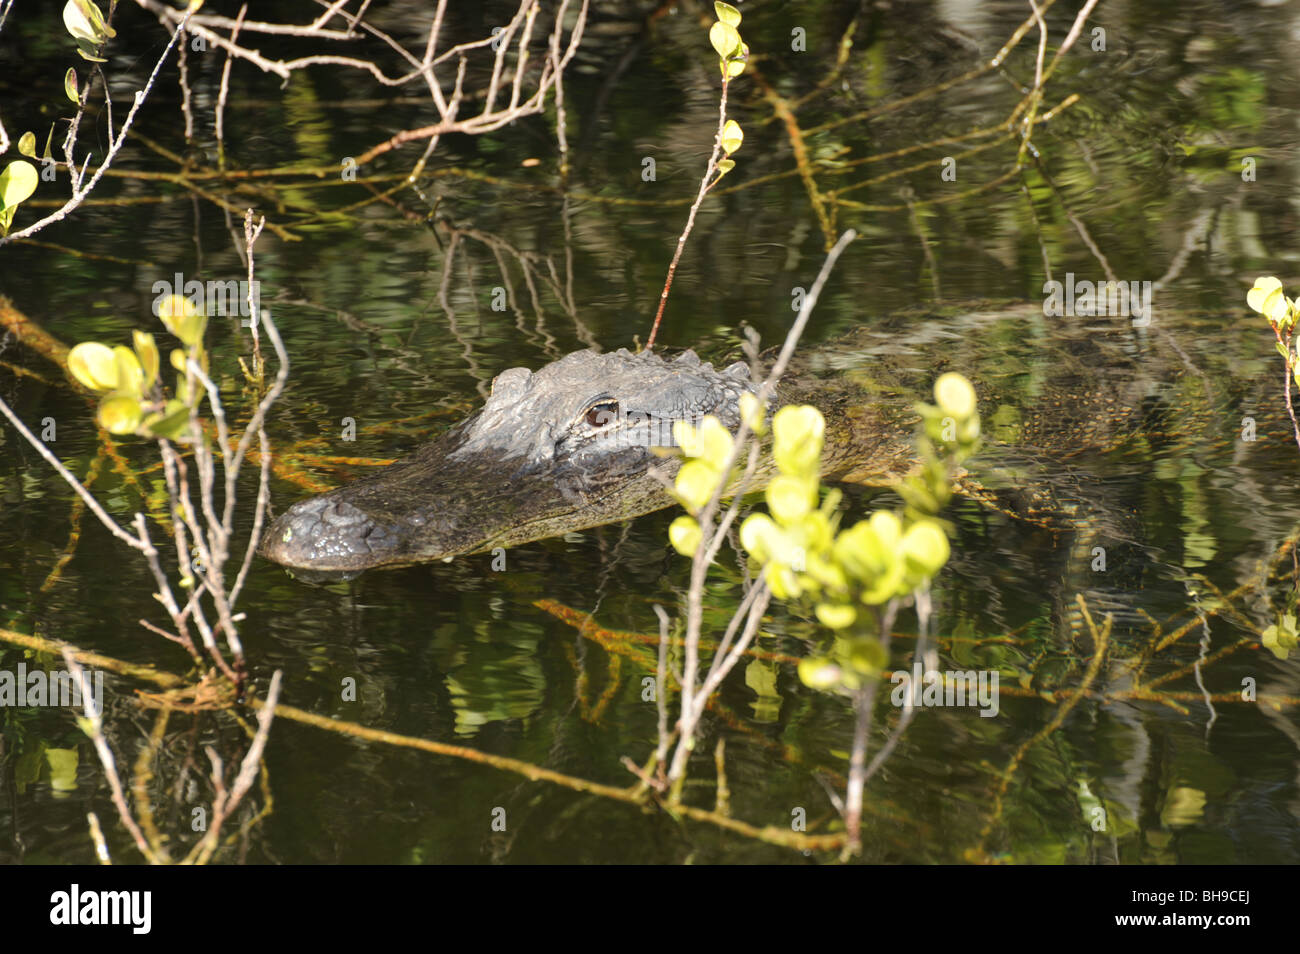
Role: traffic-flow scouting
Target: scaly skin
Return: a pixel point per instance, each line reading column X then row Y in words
column 568, row 447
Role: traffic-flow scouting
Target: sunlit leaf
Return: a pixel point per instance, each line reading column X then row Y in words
column 130, row 375
column 78, row 24
column 684, row 534
column 120, row 414
column 791, row 498
column 1265, row 286
column 147, row 351
column 724, row 38
column 94, row 365
column 183, row 319
column 695, row 484
column 818, row 673
column 954, row 395
column 17, row 183
column 837, row 615
column 752, row 413
column 70, row 85
column 797, row 434
column 732, row 136
column 925, row 547
column 715, row 442
column 727, row 13
column 759, row 536
column 736, row 66
column 27, row 144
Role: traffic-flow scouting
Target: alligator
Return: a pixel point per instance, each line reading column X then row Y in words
column 579, row 442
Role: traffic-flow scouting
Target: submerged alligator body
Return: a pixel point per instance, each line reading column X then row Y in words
column 570, row 446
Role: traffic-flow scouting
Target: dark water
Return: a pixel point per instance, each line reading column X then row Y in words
column 1148, row 162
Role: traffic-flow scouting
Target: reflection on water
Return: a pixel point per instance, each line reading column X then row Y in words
column 1178, row 517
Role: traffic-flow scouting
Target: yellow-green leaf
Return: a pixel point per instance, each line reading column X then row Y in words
column 732, row 136
column 78, row 23
column 27, row 144
column 147, row 351
column 837, row 615
column 759, row 536
column 120, row 414
column 695, row 484
column 727, row 13
column 70, row 85
column 1265, row 286
column 180, row 316
column 130, row 375
column 954, row 395
column 17, row 183
column 63, row 770
column 724, row 38
column 791, row 498
column 684, row 534
column 925, row 547
column 818, row 673
column 94, row 365
column 797, row 435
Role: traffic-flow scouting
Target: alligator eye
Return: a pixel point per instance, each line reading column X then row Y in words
column 606, row 412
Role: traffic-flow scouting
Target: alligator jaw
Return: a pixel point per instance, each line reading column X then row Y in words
column 565, row 448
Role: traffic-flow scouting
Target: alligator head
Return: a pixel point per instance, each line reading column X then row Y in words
column 560, row 449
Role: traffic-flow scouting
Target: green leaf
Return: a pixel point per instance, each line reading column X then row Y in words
column 724, row 38
column 70, row 86
column 17, row 183
column 179, row 315
column 96, row 18
column 727, row 13
column 695, row 484
column 173, row 423
column 79, row 23
column 735, row 66
column 1265, row 285
column 954, row 395
column 791, row 498
column 27, row 144
column 818, row 673
column 684, row 534
column 147, row 351
column 89, row 51
column 715, row 442
column 725, row 166
column 93, row 365
column 63, row 770
column 732, row 136
column 797, row 435
column 925, row 547
column 760, row 537
column 130, row 375
column 837, row 615
column 120, row 414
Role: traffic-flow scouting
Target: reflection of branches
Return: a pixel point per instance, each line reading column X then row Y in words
column 490, row 117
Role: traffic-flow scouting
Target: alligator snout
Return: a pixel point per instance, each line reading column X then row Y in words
column 330, row 534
